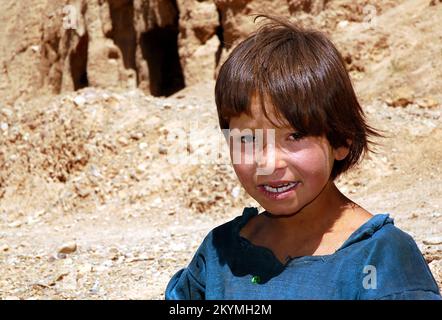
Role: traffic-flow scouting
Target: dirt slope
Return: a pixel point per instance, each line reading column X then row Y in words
column 98, row 167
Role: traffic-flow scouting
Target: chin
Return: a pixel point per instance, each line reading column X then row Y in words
column 281, row 209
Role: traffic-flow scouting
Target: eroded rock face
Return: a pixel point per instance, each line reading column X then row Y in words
column 19, row 47
column 199, row 43
column 160, row 46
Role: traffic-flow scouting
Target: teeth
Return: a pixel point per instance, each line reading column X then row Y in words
column 281, row 188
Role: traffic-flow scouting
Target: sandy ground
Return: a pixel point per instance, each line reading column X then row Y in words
column 97, row 170
column 134, row 228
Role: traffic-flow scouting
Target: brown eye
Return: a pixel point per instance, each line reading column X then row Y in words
column 296, row 136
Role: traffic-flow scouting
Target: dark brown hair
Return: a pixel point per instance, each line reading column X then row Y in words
column 304, row 77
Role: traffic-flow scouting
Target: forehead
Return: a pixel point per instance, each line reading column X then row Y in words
column 258, row 119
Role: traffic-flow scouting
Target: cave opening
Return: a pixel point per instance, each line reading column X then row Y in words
column 159, row 48
column 78, row 63
column 123, row 31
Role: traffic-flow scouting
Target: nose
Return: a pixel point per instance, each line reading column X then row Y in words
column 271, row 159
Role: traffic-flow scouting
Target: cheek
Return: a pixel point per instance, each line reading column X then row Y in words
column 312, row 163
column 245, row 173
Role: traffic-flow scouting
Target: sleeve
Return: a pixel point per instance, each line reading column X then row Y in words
column 190, row 283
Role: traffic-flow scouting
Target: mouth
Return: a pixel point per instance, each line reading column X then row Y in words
column 278, row 190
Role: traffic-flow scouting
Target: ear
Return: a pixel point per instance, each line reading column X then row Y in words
column 342, row 152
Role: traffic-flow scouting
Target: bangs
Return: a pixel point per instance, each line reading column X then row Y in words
column 288, row 71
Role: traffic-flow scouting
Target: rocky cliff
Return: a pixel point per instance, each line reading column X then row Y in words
column 162, row 46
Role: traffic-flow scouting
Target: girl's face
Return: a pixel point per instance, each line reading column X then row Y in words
column 290, row 171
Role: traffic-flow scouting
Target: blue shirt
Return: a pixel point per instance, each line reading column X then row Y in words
column 378, row 261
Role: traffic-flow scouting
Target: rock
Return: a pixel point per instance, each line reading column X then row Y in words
column 39, row 213
column 24, row 244
column 7, row 112
column 32, row 220
column 157, row 202
column 148, row 155
column 427, row 103
column 433, row 240
column 95, row 171
column 162, row 150
column 4, row 248
column 141, row 168
column 123, row 141
column 399, row 102
column 178, row 247
column 61, row 276
column 343, row 23
column 83, row 192
column 166, row 105
column 95, row 288
column 142, row 145
column 68, row 248
column 35, row 48
column 136, row 135
column 61, row 256
column 113, row 254
column 15, row 224
column 236, row 191
column 79, row 101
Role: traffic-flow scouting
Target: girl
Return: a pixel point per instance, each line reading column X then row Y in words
column 311, row 242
